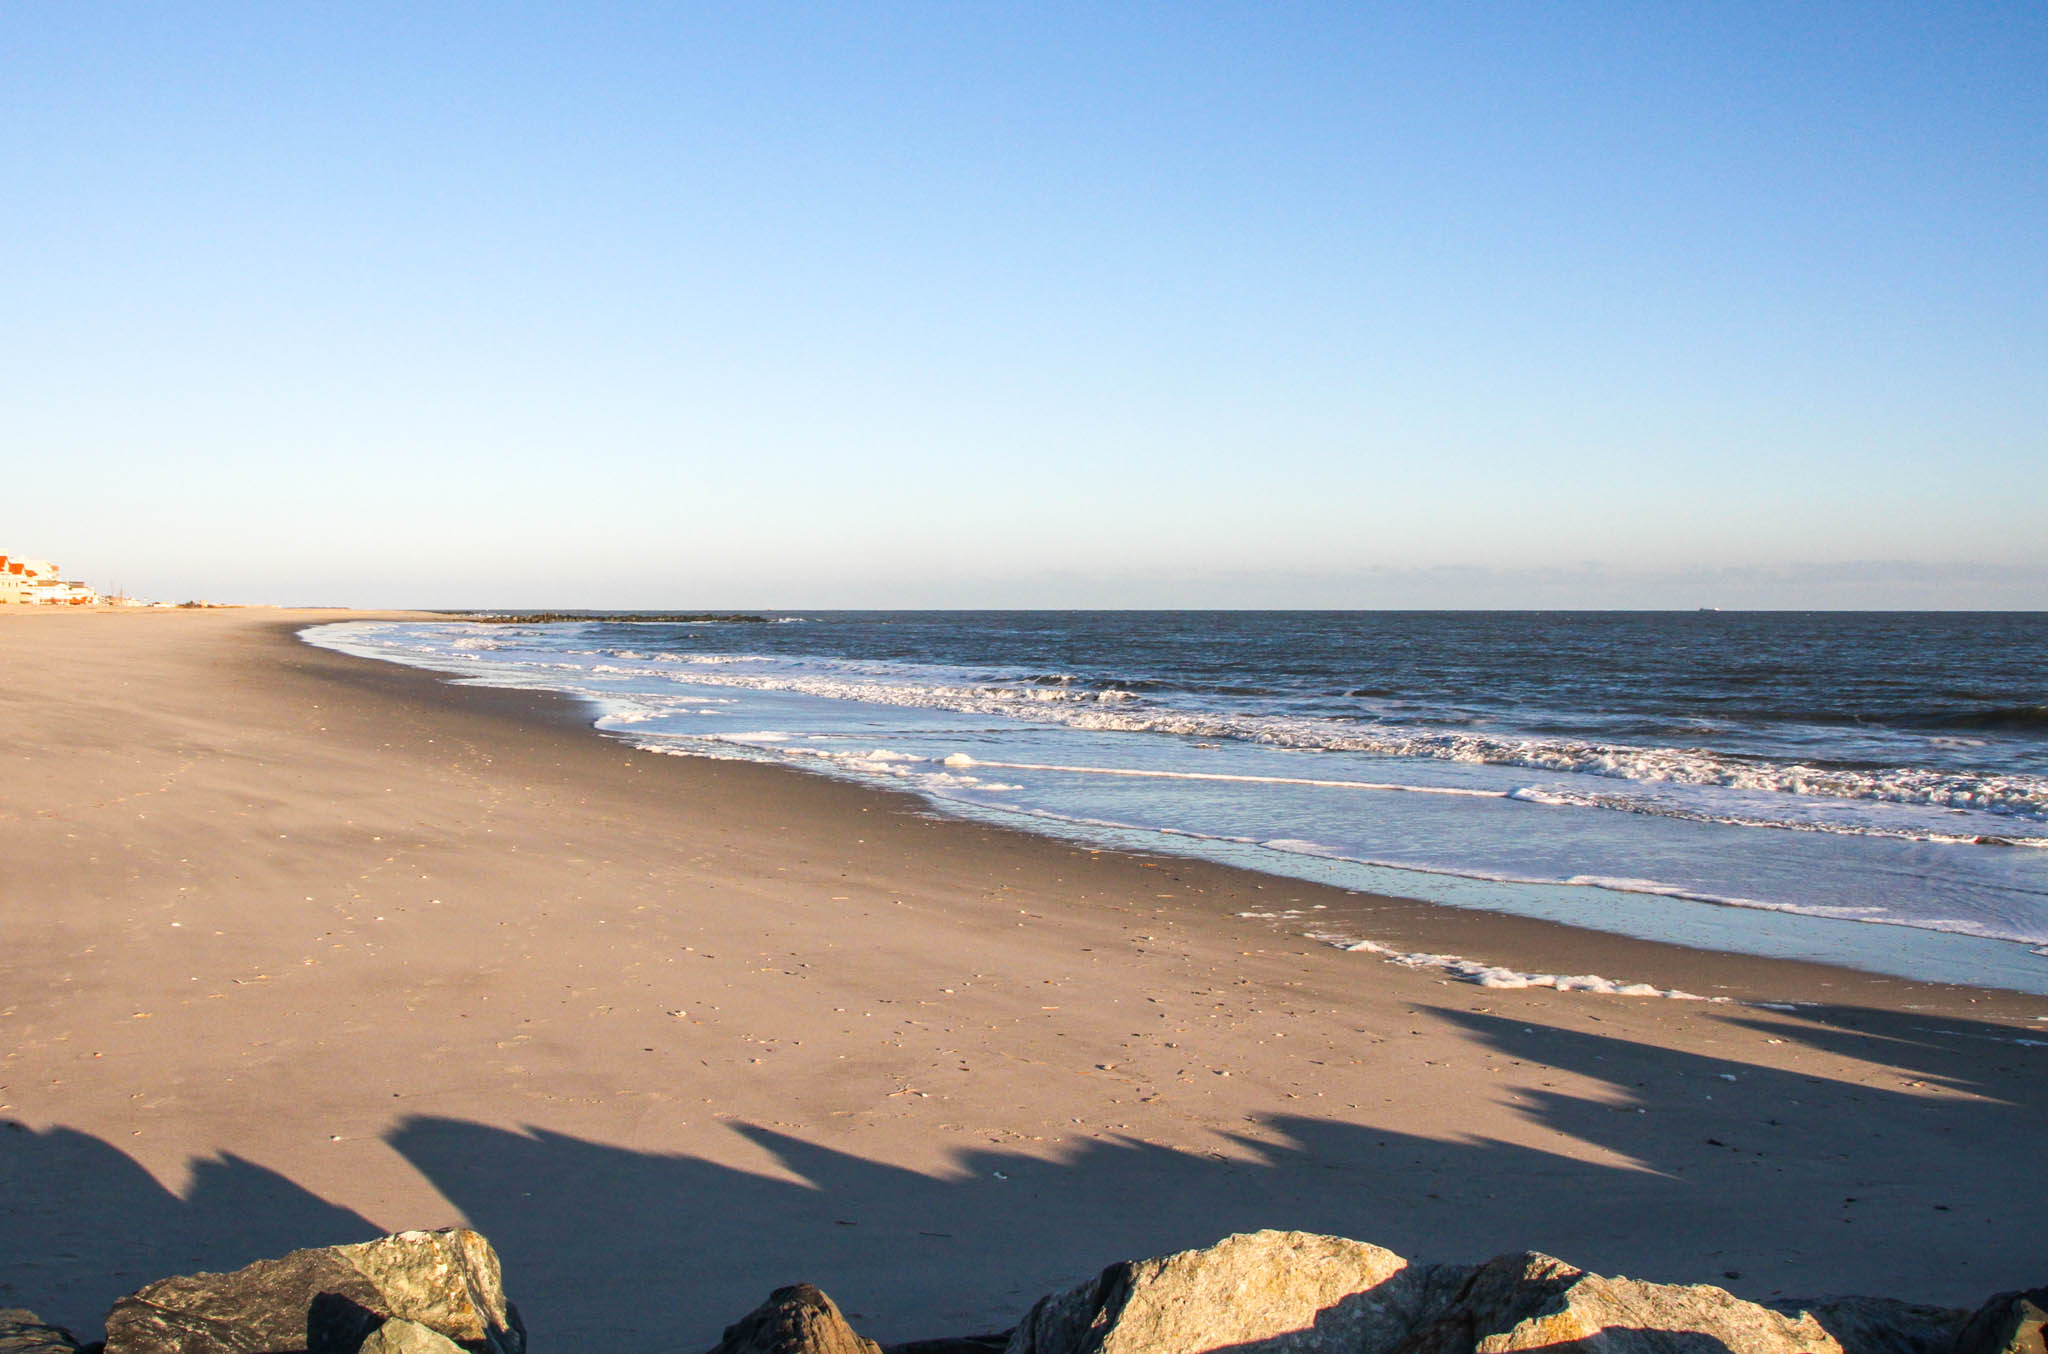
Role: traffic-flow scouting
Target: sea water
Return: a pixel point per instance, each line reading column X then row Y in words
column 1867, row 788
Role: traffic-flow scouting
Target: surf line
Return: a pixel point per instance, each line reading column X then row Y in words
column 962, row 759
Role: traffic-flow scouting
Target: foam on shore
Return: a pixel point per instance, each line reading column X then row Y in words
column 1495, row 976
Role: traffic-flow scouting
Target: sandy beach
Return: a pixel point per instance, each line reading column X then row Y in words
column 301, row 948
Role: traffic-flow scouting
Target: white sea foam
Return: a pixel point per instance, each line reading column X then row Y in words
column 701, row 660
column 1665, row 809
column 1296, row 846
column 1495, row 976
column 872, row 763
column 615, row 717
column 1143, row 773
column 2016, row 796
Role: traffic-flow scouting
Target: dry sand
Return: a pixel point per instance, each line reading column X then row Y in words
column 299, row 948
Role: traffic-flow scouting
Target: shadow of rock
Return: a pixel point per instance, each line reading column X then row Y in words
column 615, row 1244
column 1904, row 1140
column 1675, row 1167
column 1995, row 1061
column 82, row 1223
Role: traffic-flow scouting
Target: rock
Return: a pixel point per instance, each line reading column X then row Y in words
column 448, row 1281
column 799, row 1319
column 262, row 1309
column 327, row 1301
column 1531, row 1301
column 2010, row 1323
column 23, row 1332
column 400, row 1336
column 1269, row 1292
column 1294, row 1293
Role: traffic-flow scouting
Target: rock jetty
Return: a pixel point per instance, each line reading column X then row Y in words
column 1255, row 1293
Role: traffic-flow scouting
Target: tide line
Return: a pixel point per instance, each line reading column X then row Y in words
column 961, row 759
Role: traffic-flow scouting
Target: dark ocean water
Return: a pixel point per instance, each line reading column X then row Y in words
column 1887, row 768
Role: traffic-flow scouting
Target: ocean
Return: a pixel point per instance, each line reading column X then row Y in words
column 1864, row 788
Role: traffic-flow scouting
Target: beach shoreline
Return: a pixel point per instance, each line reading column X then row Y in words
column 852, row 740
column 306, row 941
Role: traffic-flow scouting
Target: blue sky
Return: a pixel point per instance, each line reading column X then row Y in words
column 977, row 304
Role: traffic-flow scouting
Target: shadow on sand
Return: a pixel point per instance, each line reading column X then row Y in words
column 82, row 1220
column 1687, row 1168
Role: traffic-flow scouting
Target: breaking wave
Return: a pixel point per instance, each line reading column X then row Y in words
column 1114, row 709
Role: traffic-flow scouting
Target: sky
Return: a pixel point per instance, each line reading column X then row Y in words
column 973, row 304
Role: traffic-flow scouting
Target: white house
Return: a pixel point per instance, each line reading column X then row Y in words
column 35, row 582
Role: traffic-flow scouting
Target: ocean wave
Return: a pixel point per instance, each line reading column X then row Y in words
column 1624, row 804
column 1057, row 698
column 1963, row 715
column 1153, row 773
column 932, row 778
column 708, row 660
column 1133, row 685
column 1990, row 719
column 2015, row 795
column 2007, row 932
column 2011, row 933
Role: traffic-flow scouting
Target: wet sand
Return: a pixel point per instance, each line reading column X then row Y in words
column 301, row 948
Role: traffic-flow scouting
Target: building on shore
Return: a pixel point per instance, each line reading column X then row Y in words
column 36, row 582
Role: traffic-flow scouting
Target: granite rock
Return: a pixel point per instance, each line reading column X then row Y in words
column 400, row 1336
column 2010, row 1323
column 1254, row 1293
column 1884, row 1325
column 1535, row 1302
column 327, row 1301
column 23, row 1332
column 799, row 1319
column 1295, row 1293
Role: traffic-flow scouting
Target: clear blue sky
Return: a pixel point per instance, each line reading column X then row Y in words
column 978, row 304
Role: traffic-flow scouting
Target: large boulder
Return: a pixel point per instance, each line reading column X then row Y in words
column 1294, row 1293
column 23, row 1332
column 799, row 1319
column 1530, row 1302
column 327, row 1301
column 1883, row 1325
column 2010, row 1323
column 1253, row 1293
